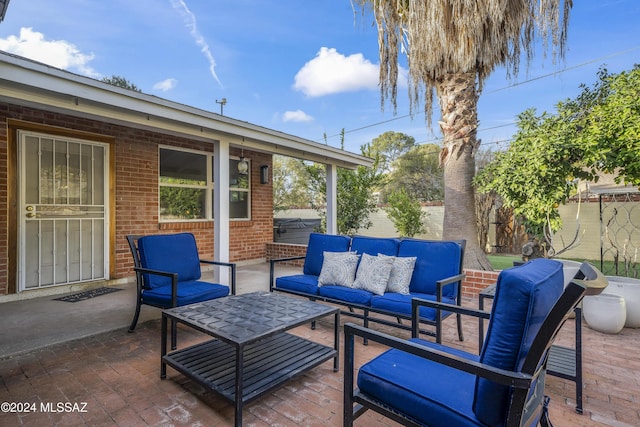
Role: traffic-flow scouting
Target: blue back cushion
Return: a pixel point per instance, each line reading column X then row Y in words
column 436, row 260
column 524, row 297
column 319, row 243
column 374, row 245
column 173, row 253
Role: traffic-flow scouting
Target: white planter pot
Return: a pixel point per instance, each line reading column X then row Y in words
column 605, row 312
column 629, row 289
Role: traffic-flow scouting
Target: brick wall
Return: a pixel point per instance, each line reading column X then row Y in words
column 136, row 188
column 477, row 280
column 4, row 202
column 286, row 250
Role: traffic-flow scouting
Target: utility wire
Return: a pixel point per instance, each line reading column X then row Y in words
column 554, row 73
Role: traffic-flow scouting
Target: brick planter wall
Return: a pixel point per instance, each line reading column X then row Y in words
column 477, row 280
column 286, row 250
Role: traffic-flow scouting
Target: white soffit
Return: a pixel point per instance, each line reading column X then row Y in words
column 28, row 83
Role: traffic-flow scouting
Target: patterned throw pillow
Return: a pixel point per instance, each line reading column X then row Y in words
column 401, row 273
column 373, row 273
column 338, row 268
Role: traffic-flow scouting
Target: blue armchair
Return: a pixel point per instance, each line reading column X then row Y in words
column 168, row 273
column 419, row 383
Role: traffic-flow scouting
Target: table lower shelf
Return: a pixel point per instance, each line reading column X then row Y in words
column 562, row 362
column 267, row 364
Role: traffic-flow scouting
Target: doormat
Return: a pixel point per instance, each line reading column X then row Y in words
column 81, row 296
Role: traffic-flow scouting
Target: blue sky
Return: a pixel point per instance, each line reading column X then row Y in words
column 308, row 68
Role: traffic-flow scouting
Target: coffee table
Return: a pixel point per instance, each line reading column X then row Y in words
column 251, row 353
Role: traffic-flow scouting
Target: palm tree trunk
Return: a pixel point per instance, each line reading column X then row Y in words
column 458, row 98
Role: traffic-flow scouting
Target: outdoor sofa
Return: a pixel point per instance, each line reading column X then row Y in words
column 378, row 277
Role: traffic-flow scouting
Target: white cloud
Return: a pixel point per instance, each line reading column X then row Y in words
column 166, row 85
column 296, row 116
column 190, row 22
column 332, row 72
column 57, row 53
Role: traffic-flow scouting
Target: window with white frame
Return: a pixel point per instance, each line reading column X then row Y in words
column 186, row 186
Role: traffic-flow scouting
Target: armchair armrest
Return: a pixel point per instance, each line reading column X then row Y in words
column 272, row 268
column 292, row 258
column 174, row 281
column 448, row 281
column 225, row 264
column 416, row 303
column 501, row 376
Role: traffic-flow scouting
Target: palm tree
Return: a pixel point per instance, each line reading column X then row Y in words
column 452, row 46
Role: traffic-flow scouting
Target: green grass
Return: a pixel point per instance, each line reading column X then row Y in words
column 500, row 262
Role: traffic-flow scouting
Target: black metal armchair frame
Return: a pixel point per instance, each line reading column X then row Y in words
column 140, row 284
column 520, row 410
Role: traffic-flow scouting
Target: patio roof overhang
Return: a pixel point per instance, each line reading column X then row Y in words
column 4, row 4
column 29, row 83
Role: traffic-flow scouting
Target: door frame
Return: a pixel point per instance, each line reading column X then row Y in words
column 13, row 126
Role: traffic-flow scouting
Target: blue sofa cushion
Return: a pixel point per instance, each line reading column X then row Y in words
column 420, row 388
column 305, row 283
column 531, row 291
column 436, row 260
column 348, row 295
column 374, row 245
column 173, row 253
column 318, row 243
column 188, row 292
column 400, row 303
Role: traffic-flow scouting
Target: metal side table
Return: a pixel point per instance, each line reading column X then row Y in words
column 564, row 362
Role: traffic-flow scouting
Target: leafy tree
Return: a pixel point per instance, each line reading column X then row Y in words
column 290, row 184
column 120, row 82
column 452, row 46
column 418, row 173
column 354, row 192
column 182, row 203
column 406, row 214
column 613, row 122
column 597, row 131
column 391, row 145
column 485, row 201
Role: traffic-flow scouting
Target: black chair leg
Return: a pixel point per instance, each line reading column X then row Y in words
column 136, row 315
column 460, row 335
column 544, row 419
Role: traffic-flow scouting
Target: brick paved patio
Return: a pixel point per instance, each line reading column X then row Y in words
column 117, row 375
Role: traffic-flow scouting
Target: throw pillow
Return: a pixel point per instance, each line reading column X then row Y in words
column 401, row 273
column 338, row 268
column 373, row 273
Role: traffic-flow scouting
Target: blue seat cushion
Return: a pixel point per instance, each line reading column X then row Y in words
column 374, row 245
column 429, row 392
column 172, row 253
column 305, row 283
column 348, row 295
column 524, row 297
column 435, row 260
column 400, row 303
column 188, row 292
column 319, row 243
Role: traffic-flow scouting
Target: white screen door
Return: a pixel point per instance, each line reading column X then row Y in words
column 63, row 232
